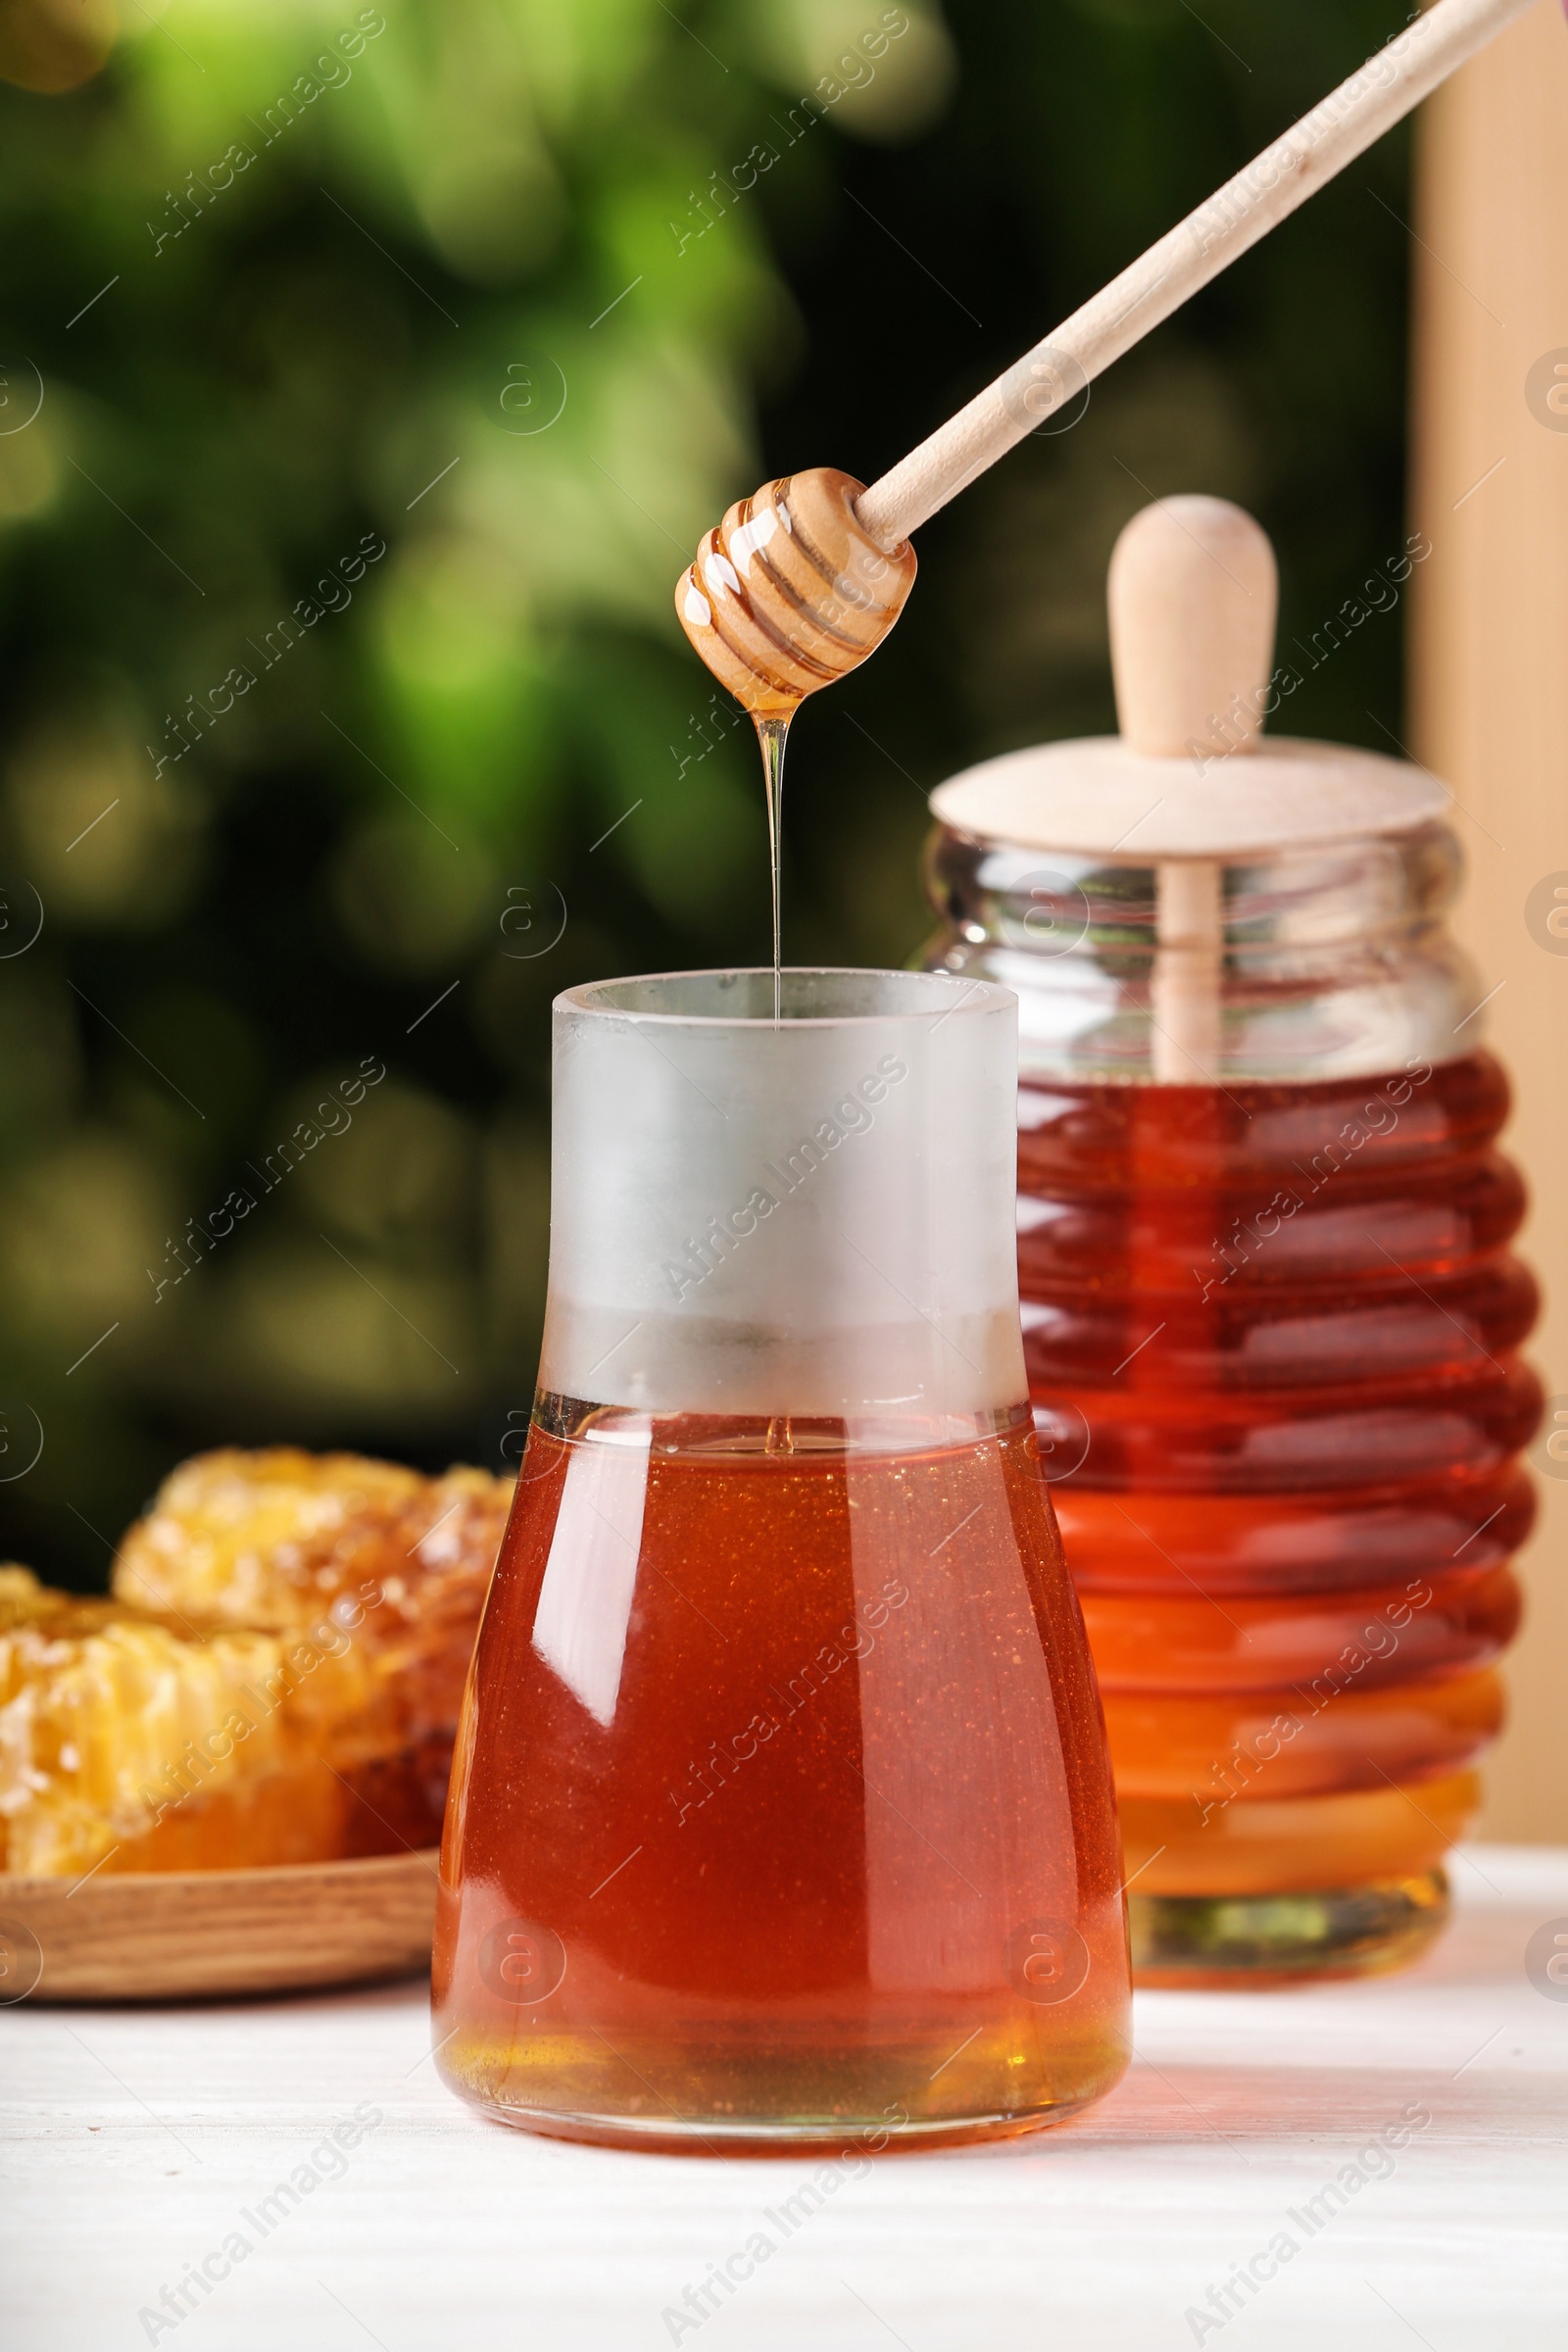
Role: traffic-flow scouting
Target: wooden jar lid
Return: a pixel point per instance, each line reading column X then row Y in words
column 1095, row 796
column 1193, row 592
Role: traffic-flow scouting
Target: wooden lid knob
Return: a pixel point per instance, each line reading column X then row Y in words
column 1193, row 591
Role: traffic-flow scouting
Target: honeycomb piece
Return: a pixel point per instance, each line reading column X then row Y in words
column 324, row 1545
column 276, row 1677
column 287, row 1540
column 260, row 1538
column 130, row 1740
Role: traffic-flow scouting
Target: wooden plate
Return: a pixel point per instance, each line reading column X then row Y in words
column 147, row 1936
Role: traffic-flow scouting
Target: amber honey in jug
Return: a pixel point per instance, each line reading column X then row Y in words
column 1271, row 1316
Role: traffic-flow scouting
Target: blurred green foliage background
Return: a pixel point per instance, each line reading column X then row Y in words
column 476, row 286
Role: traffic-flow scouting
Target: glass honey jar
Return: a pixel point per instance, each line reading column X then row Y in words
column 1271, row 1314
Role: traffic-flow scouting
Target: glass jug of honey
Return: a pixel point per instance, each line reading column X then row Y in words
column 781, row 1809
column 1271, row 1318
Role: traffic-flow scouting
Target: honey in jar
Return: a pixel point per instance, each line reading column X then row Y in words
column 781, row 1810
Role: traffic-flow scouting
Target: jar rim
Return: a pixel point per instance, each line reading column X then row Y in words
column 813, row 997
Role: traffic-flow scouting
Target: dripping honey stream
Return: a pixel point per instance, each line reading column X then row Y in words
column 787, row 594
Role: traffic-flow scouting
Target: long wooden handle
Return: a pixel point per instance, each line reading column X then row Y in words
column 1198, row 249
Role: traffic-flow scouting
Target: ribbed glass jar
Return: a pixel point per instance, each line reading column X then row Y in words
column 1271, row 1324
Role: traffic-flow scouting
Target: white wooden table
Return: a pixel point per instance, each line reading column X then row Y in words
column 138, row 2141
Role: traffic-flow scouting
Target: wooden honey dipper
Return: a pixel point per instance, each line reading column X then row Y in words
column 792, row 591
column 800, row 583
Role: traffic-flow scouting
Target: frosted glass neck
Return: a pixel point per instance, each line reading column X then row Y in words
column 812, row 1219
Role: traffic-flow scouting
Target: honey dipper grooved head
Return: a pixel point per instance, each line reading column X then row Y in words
column 791, row 592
